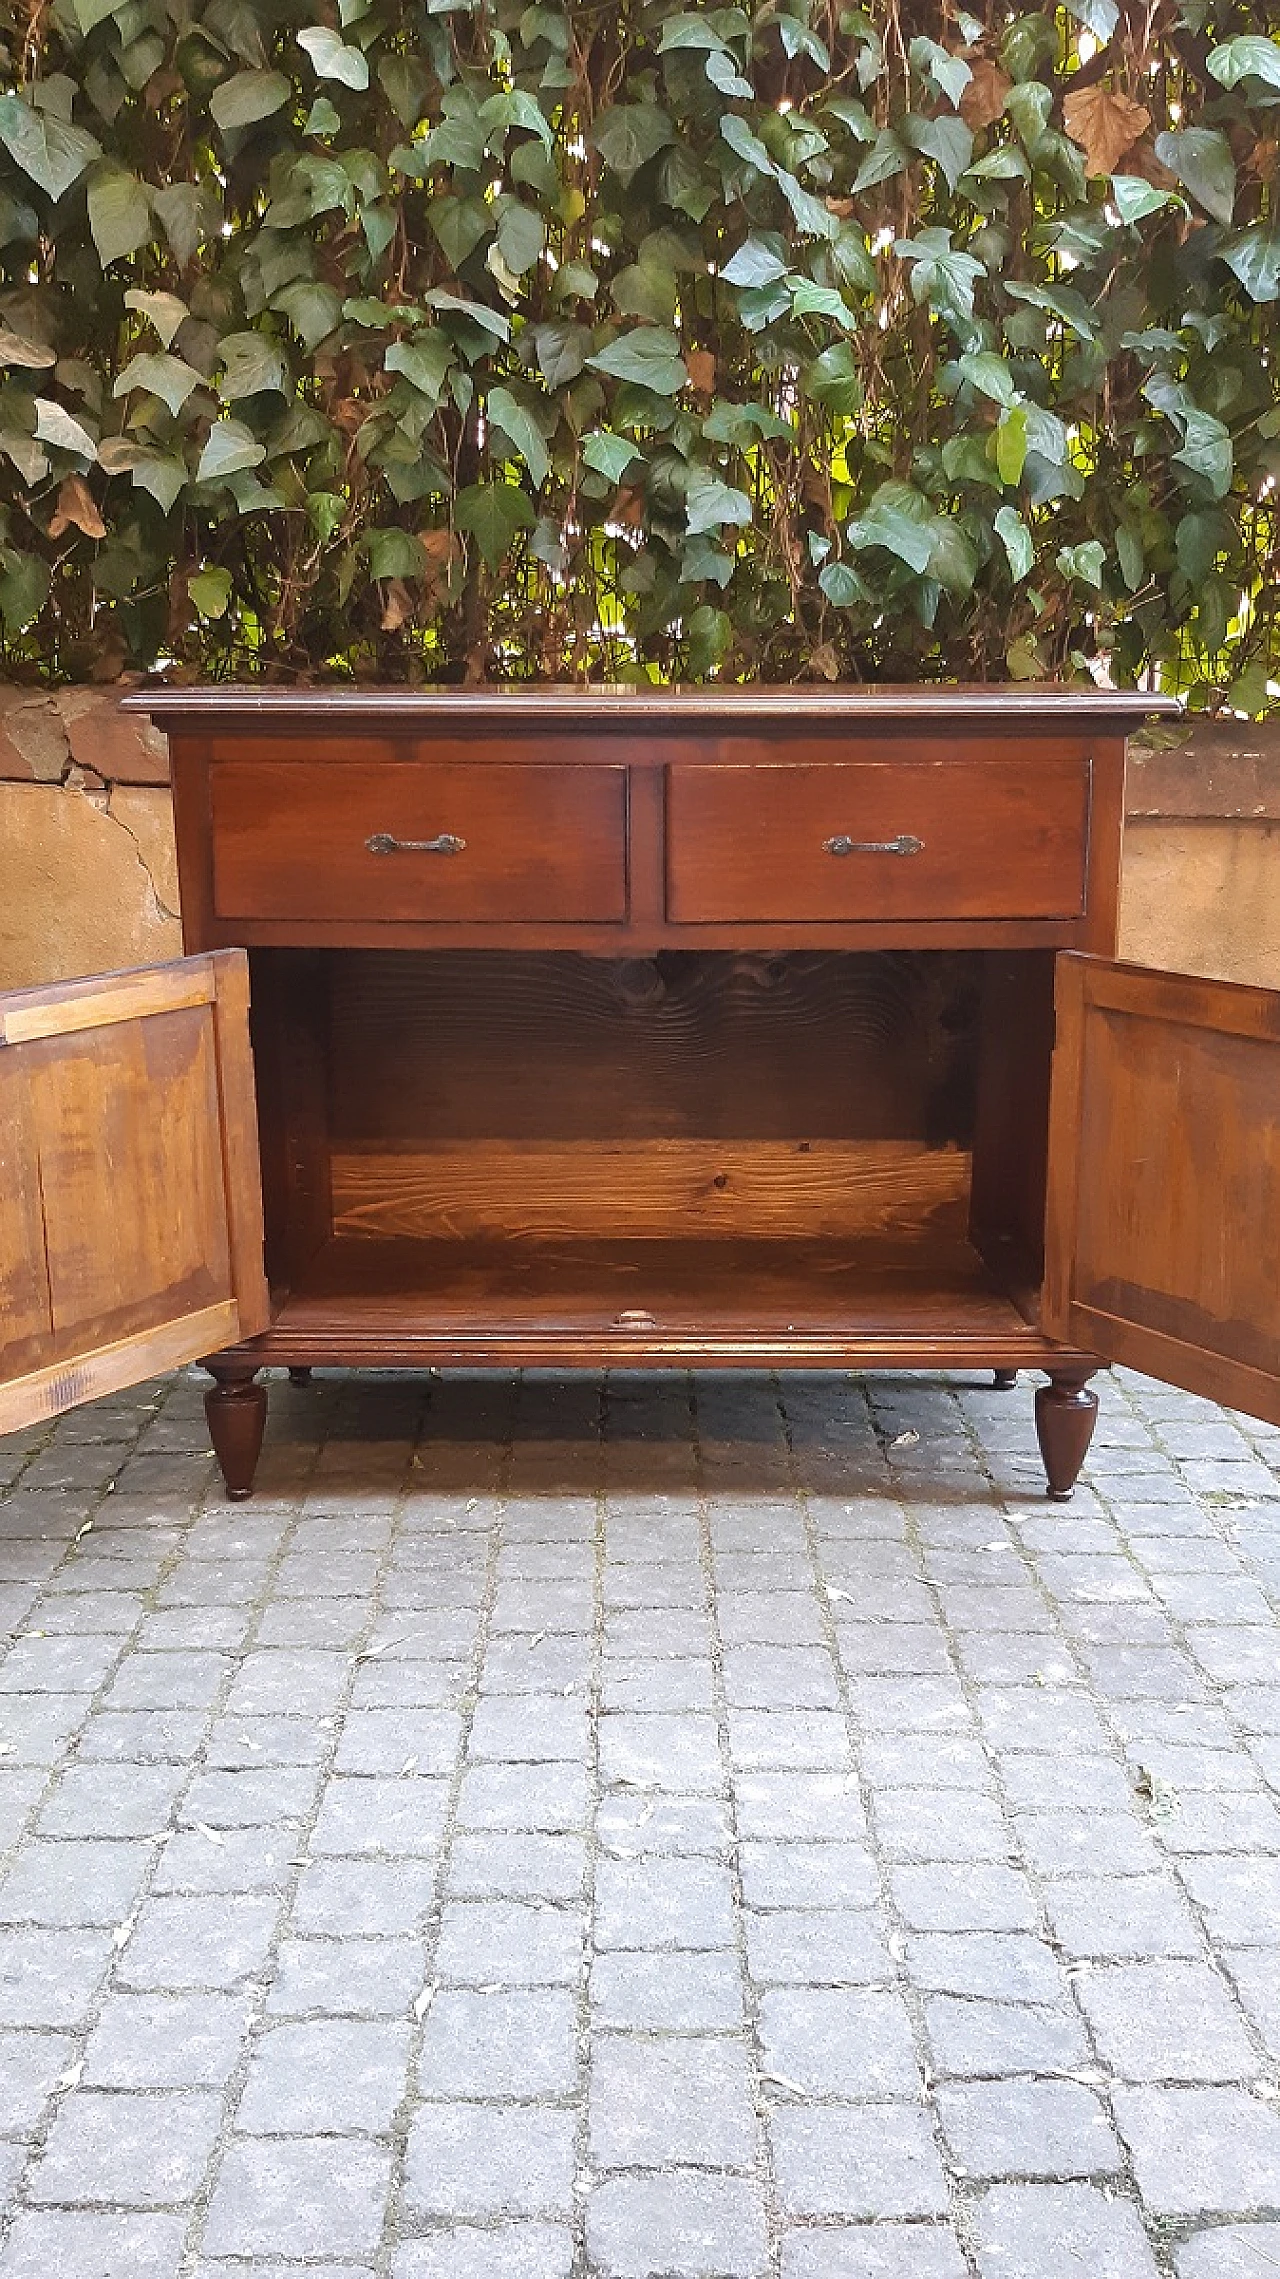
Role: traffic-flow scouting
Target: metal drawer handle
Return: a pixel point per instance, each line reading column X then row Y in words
column 903, row 845
column 448, row 843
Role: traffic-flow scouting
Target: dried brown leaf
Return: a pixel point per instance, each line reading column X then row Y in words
column 701, row 367
column 1104, row 125
column 76, row 507
column 984, row 99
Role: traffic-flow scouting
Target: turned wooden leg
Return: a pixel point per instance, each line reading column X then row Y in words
column 1066, row 1412
column 1004, row 1380
column 300, row 1376
column 236, row 1408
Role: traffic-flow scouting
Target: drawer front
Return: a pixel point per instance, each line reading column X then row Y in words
column 877, row 839
column 467, row 841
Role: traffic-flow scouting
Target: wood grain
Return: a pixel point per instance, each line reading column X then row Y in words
column 126, row 1114
column 537, row 840
column 996, row 705
column 654, row 1190
column 1164, row 1186
column 751, row 840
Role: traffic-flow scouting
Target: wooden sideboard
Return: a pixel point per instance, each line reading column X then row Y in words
column 707, row 1028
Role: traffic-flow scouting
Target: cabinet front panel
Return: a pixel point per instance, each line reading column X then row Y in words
column 394, row 839
column 902, row 837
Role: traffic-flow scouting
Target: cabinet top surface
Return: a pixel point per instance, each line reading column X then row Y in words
column 650, row 708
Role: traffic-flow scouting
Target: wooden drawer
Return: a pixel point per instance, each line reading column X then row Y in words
column 458, row 839
column 908, row 836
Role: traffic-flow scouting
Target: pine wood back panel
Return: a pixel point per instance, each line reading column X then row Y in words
column 795, row 837
column 1164, row 1183
column 130, row 1225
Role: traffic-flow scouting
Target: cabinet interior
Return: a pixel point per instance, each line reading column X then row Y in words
column 704, row 1151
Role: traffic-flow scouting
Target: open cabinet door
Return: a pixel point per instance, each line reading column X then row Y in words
column 1163, row 1220
column 130, row 1196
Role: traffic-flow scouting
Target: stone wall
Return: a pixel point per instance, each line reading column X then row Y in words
column 88, row 878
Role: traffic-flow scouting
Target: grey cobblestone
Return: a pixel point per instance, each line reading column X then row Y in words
column 650, row 1827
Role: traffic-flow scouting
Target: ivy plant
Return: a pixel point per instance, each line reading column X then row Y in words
column 471, row 339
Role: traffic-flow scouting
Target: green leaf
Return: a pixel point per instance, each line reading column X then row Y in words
column 521, row 237
column 841, row 584
column 230, row 448
column 1130, row 556
column 490, row 320
column 186, row 217
column 1251, row 56
column 210, row 591
column 948, row 141
column 250, row 96
column 949, row 72
column 493, row 513
column 745, row 144
column 811, row 217
column 1135, row 198
column 53, row 154
column 726, row 78
column 628, row 135
column 688, row 32
column 1017, row 542
column 1011, row 445
column 56, row 425
column 314, row 310
column 251, row 363
column 164, row 311
column 797, row 39
column 404, row 80
column 164, row 376
column 649, row 356
column 1206, row 450
column 710, row 503
column 522, row 430
column 834, row 379
column 740, row 424
column 610, row 455
column 562, row 350
column 899, row 521
column 1201, row 160
column 887, row 157
column 393, row 553
column 710, row 636
column 1254, row 257
column 24, row 589
column 424, row 362
column 808, row 300
column 991, row 375
column 459, row 225
column 331, row 58
column 941, row 274
column 1084, row 564
column 31, row 355
column 759, row 261
column 119, row 211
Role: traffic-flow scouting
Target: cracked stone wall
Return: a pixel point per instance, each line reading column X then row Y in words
column 88, row 877
column 88, row 872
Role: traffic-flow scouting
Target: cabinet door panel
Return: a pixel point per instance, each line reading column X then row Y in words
column 130, row 1200
column 1163, row 1225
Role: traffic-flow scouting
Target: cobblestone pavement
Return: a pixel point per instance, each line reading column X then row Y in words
column 667, row 1827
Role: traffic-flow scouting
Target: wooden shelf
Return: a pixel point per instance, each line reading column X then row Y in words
column 586, row 1304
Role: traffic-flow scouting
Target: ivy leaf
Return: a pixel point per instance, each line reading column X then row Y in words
column 740, row 424
column 759, row 261
column 887, row 157
column 1254, row 257
column 898, row 521
column 251, row 363
column 710, row 503
column 24, row 589
column 808, row 299
column 54, row 154
column 1017, row 541
column 209, row 591
column 609, row 455
column 1011, row 445
column 628, row 135
column 248, row 97
column 119, row 211
column 493, row 513
column 56, row 425
column 949, row 142
column 424, row 362
column 313, row 309
column 521, row 237
column 31, row 355
column 562, row 350
column 490, row 320
column 165, row 376
column 1207, row 450
column 1251, row 56
column 1084, row 563
column 161, row 473
column 797, row 39
column 1200, row 159
column 688, row 32
column 331, row 58
column 745, row 144
column 164, row 311
column 649, row 356
column 231, row 447
column 404, row 80
column 841, row 584
column 949, row 72
column 990, row 375
column 393, row 553
column 522, row 430
column 726, row 78
column 940, row 274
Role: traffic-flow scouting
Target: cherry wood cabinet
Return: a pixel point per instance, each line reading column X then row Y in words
column 753, row 1029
